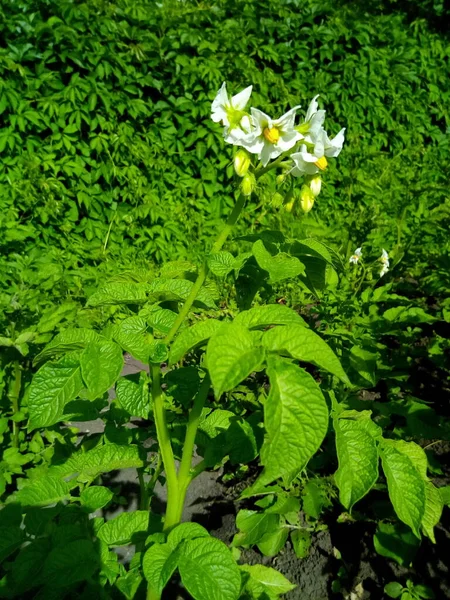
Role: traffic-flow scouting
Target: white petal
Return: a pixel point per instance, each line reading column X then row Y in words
column 253, row 144
column 333, row 147
column 312, row 108
column 219, row 115
column 267, row 153
column 316, row 123
column 240, row 100
column 288, row 140
column 287, row 121
column 260, row 119
column 221, row 99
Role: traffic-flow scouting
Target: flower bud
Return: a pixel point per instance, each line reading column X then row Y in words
column 248, row 184
column 241, row 162
column 315, row 185
column 306, row 199
column 289, row 205
column 281, row 178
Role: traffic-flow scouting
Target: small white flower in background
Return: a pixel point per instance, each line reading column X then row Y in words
column 271, row 137
column 384, row 259
column 355, row 256
column 230, row 111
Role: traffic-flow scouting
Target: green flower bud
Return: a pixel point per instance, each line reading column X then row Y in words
column 289, row 205
column 241, row 162
column 248, row 184
column 281, row 178
column 306, row 199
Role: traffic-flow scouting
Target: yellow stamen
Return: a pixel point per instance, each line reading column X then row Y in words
column 321, row 163
column 272, row 135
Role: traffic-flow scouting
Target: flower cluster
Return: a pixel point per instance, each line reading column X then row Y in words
column 308, row 144
column 384, row 259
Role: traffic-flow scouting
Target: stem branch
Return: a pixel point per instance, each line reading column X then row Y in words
column 162, row 433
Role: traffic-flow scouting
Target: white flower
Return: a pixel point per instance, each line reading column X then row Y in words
column 311, row 161
column 231, row 110
column 271, row 137
column 356, row 256
column 384, row 259
column 314, row 119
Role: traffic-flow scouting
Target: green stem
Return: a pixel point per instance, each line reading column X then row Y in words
column 14, row 397
column 184, row 472
column 162, row 433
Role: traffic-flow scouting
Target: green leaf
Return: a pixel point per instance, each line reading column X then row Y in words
column 95, row 497
column 208, row 570
column 265, row 582
column 221, row 263
column 185, row 531
column 273, row 541
column 45, row 490
column 433, row 510
column 445, row 494
column 68, row 341
column 364, row 363
column 102, row 459
column 241, row 442
column 132, row 337
column 253, row 526
column 295, row 419
column 396, row 541
column 231, row 357
column 182, row 384
column 265, row 316
column 101, row 365
column 403, row 314
column 133, row 394
column 193, row 337
column 393, row 589
column 159, row 564
column 27, row 566
column 161, row 319
column 303, row 344
column 129, row 583
column 301, row 541
column 406, row 485
column 53, row 386
column 119, row 293
column 358, row 459
column 178, row 290
column 127, row 528
column 313, row 500
column 281, row 266
column 11, row 538
column 74, row 561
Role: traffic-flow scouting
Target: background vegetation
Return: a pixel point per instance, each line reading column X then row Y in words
column 108, row 156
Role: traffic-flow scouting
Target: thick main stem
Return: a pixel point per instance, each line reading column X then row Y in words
column 184, row 472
